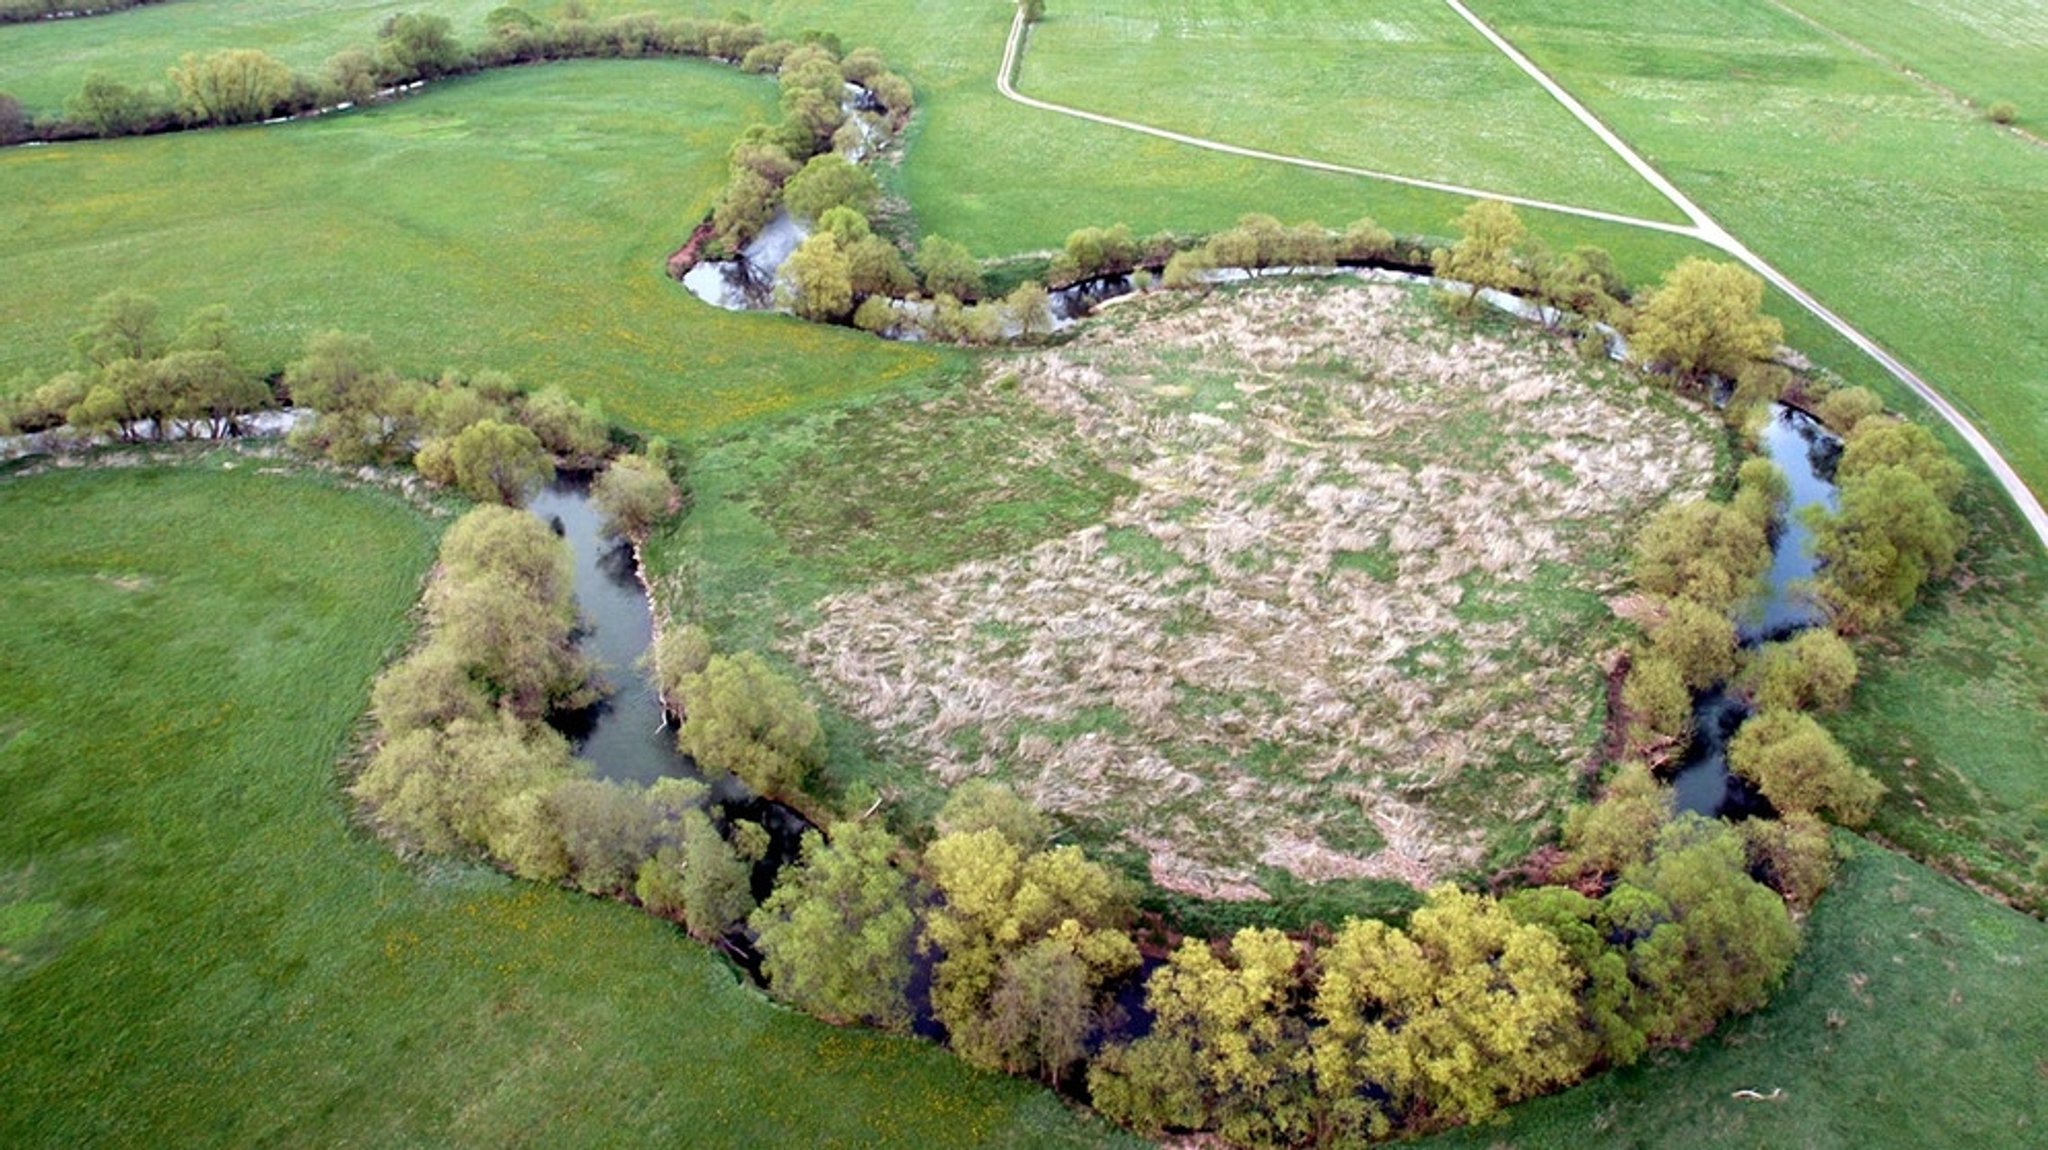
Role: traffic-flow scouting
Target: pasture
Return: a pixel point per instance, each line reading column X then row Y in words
column 197, row 946
column 515, row 221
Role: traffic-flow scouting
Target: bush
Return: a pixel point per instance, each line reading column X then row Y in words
column 1801, row 769
column 1708, row 553
column 499, row 462
column 1698, row 640
column 830, row 181
column 1816, row 670
column 233, row 86
column 1658, row 705
column 445, row 790
column 948, row 269
column 1615, row 833
column 1794, row 856
column 743, row 718
column 2004, row 112
column 984, row 804
column 634, row 494
column 1846, row 408
column 607, row 831
column 567, row 429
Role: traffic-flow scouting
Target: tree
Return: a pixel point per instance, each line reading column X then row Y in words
column 503, row 610
column 1815, row 670
column 1582, row 282
column 1609, row 1004
column 14, row 122
column 1698, row 640
column 1704, row 552
column 500, row 462
column 206, row 387
column 835, row 935
column 1706, row 318
column 874, row 267
column 830, row 181
column 109, row 108
column 1227, row 1051
column 1615, row 833
column 634, row 494
column 895, row 95
column 1793, row 855
column 1892, row 534
column 948, row 269
column 718, row 890
column 443, row 790
column 984, row 804
column 607, row 831
column 121, row 324
column 232, row 86
column 1801, row 769
column 812, row 90
column 679, row 653
column 1877, row 443
column 1029, row 308
column 1845, row 409
column 495, row 541
column 567, row 429
column 1490, row 237
column 1703, row 939
column 1461, row 1013
column 1658, row 705
column 817, row 281
column 743, row 718
column 414, row 46
column 429, row 689
column 999, row 902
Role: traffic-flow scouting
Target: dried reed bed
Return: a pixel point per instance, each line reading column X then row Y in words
column 1312, row 640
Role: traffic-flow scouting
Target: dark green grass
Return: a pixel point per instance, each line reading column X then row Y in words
column 199, row 949
column 1914, row 1018
column 516, row 221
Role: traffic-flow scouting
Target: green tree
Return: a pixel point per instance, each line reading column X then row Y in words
column 1794, row 855
column 718, row 887
column 1029, row 308
column 205, row 387
column 1706, row 318
column 416, row 46
column 984, row 804
column 1365, row 239
column 948, row 269
column 633, row 494
column 1845, row 409
column 1000, row 901
column 444, row 790
column 835, row 936
column 1463, row 1012
column 1815, row 670
column 121, row 324
column 1892, row 534
column 830, row 181
column 430, row 688
column 500, row 462
column 232, row 86
column 1609, row 1003
column 680, row 652
column 607, row 831
column 875, row 267
column 1617, row 832
column 812, row 89
column 1659, row 706
column 1228, row 1050
column 1704, row 552
column 1880, row 443
column 743, row 718
column 817, row 281
column 1698, row 640
column 1799, row 767
column 108, row 107
column 1487, row 254
column 567, row 428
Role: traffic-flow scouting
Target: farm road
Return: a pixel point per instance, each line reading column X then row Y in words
column 1703, row 227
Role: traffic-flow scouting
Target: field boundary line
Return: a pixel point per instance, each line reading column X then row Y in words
column 1711, row 232
column 1007, row 87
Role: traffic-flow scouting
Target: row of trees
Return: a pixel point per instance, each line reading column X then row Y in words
column 25, row 11
column 137, row 381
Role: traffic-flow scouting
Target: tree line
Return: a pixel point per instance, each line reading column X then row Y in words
column 246, row 85
column 30, row 11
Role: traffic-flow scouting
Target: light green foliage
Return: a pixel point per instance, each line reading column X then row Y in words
column 999, row 903
column 417, row 46
column 1704, row 319
column 1365, row 239
column 1488, row 252
column 500, row 462
column 984, row 804
column 1801, row 769
column 817, row 281
column 829, row 180
column 349, row 76
column 679, row 653
column 835, row 936
column 743, row 718
column 717, row 882
column 1028, row 308
column 110, row 108
column 1698, row 640
column 1612, row 1030
column 607, row 830
column 1463, row 1012
column 121, row 325
column 1794, row 854
column 812, row 87
column 1702, row 551
column 233, row 86
column 1228, row 1050
column 1760, row 493
column 445, row 790
column 875, row 267
column 1892, row 534
column 568, row 429
column 1184, row 271
column 428, row 689
column 1845, row 408
column 364, row 412
column 504, row 611
column 948, row 269
column 1582, row 282
column 1878, row 443
column 634, row 493
column 1616, row 832
column 1815, row 670
column 1710, row 941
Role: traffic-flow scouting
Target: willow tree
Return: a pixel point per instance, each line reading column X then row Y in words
column 1706, row 318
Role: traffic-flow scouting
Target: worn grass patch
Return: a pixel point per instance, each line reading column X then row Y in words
column 1209, row 671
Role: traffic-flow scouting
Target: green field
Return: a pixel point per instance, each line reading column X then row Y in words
column 1982, row 50
column 1407, row 88
column 197, row 948
column 1914, row 218
column 1914, row 1018
column 515, row 221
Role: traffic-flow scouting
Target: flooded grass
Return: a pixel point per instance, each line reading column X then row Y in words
column 197, row 948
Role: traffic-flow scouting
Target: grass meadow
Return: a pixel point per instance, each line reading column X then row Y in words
column 516, row 221
column 1407, row 88
column 1984, row 51
column 198, row 948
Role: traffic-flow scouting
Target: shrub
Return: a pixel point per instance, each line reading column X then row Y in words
column 1698, row 640
column 1793, row 855
column 568, row 429
column 1607, row 836
column 2003, row 112
column 1708, row 553
column 1659, row 707
column 1846, row 408
column 1816, row 670
column 634, row 494
column 745, row 719
column 1801, row 769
